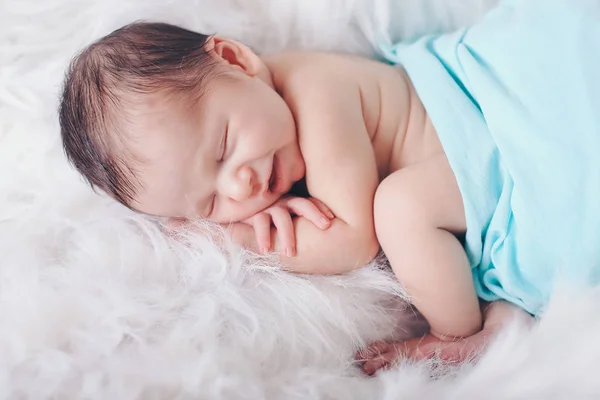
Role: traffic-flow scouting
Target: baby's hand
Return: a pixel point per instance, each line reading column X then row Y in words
column 280, row 215
column 496, row 315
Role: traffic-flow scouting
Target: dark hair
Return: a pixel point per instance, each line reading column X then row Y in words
column 100, row 86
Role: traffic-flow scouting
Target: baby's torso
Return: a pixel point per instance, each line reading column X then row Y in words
column 401, row 134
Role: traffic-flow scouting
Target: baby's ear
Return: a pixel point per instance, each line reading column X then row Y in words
column 235, row 54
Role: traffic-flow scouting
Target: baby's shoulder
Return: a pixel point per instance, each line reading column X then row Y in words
column 292, row 71
column 330, row 86
column 291, row 63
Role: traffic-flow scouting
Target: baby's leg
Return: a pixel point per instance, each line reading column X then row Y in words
column 416, row 210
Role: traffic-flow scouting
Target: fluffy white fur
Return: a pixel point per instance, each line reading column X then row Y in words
column 96, row 303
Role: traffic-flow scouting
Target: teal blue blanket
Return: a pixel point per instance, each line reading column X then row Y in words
column 515, row 100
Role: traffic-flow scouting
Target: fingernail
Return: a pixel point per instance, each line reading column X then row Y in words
column 324, row 221
column 330, row 214
column 289, row 252
column 264, row 250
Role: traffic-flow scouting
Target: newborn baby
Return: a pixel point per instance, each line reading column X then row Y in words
column 474, row 166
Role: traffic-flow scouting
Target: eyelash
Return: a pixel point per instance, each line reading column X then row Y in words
column 224, row 143
column 223, row 151
column 212, row 204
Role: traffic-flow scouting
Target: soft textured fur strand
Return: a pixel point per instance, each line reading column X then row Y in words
column 97, row 303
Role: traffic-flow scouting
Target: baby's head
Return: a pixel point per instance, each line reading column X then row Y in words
column 174, row 123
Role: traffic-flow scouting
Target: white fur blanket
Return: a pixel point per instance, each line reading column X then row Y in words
column 96, row 303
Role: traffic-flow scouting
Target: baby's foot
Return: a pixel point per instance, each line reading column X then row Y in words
column 383, row 355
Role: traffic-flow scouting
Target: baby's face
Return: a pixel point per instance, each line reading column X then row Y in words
column 226, row 158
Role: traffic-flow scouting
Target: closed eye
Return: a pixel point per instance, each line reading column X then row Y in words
column 212, row 205
column 224, row 144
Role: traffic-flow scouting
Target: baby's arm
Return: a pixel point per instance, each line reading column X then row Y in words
column 340, row 164
column 340, row 168
column 417, row 210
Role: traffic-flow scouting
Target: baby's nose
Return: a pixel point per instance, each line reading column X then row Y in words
column 242, row 186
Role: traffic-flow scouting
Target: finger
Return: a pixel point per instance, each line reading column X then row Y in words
column 467, row 349
column 452, row 353
column 383, row 361
column 308, row 210
column 448, row 351
column 323, row 207
column 424, row 347
column 373, row 350
column 262, row 229
column 285, row 230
